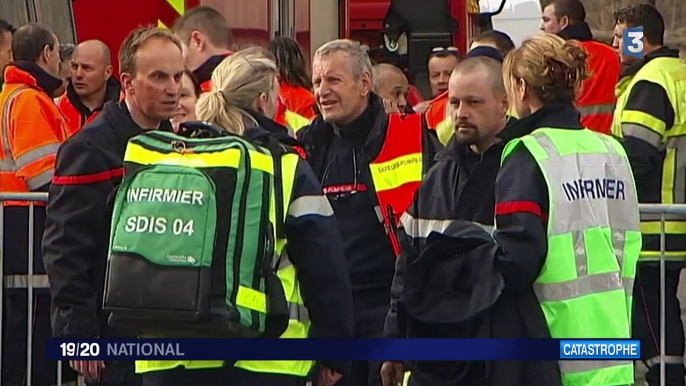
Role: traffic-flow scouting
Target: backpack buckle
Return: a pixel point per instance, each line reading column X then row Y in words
column 179, row 146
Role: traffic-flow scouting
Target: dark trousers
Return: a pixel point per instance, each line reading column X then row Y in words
column 646, row 321
column 118, row 373
column 14, row 326
column 363, row 373
column 229, row 376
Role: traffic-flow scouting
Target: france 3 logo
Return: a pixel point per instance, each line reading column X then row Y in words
column 632, row 42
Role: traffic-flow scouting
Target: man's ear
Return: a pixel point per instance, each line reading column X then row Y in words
column 108, row 72
column 565, row 22
column 366, row 80
column 126, row 81
column 46, row 53
column 198, row 39
column 504, row 104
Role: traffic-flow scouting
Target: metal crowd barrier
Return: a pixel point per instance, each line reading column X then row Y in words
column 655, row 209
column 32, row 282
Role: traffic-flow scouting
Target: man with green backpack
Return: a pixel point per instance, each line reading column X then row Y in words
column 222, row 230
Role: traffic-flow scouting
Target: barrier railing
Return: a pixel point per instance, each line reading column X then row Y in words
column 662, row 210
column 29, row 282
column 32, row 280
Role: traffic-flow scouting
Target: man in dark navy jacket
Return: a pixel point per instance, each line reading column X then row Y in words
column 351, row 133
column 205, row 36
column 461, row 186
column 88, row 168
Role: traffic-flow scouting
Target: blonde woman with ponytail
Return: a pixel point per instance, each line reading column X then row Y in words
column 313, row 269
column 244, row 84
column 566, row 210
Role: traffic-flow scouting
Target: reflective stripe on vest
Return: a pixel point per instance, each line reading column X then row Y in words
column 294, row 122
column 585, row 286
column 597, row 99
column 7, row 161
column 586, row 111
column 445, row 130
column 299, row 324
column 398, row 170
column 291, row 120
column 670, row 74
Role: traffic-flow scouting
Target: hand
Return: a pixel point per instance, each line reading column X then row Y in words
column 392, row 373
column 328, row 377
column 421, row 107
column 391, row 106
column 89, row 369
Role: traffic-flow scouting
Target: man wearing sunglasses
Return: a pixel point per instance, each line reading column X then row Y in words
column 369, row 164
column 442, row 62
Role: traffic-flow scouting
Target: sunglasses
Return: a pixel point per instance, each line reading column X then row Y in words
column 445, row 49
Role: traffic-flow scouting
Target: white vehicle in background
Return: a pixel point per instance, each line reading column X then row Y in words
column 517, row 18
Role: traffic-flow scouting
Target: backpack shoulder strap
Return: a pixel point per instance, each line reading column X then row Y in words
column 277, row 151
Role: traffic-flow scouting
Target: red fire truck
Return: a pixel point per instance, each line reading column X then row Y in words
column 399, row 31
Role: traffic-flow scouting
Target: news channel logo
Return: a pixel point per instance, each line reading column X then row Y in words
column 632, row 42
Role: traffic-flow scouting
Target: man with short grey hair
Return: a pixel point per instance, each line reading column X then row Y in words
column 369, row 164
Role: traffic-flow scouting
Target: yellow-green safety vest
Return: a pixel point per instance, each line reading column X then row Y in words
column 670, row 74
column 299, row 323
column 294, row 122
column 585, row 285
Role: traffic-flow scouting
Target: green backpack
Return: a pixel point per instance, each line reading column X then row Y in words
column 192, row 245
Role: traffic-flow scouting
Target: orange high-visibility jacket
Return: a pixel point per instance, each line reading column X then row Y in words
column 597, row 99
column 31, row 130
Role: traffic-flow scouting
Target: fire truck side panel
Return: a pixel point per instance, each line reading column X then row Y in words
column 112, row 20
column 249, row 20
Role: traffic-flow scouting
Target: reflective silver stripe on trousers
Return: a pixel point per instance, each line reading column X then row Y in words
column 607, row 108
column 584, row 366
column 310, row 205
column 298, row 312
column 611, row 205
column 22, row 281
column 669, row 359
column 422, row 228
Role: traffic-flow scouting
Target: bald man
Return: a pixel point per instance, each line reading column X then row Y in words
column 391, row 84
column 92, row 84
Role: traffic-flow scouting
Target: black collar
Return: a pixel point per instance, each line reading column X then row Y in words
column 204, row 73
column 578, row 31
column 112, row 93
column 557, row 115
column 268, row 127
column 358, row 130
column 662, row 52
column 44, row 80
column 124, row 127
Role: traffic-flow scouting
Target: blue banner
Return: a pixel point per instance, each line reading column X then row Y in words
column 339, row 349
column 601, row 349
